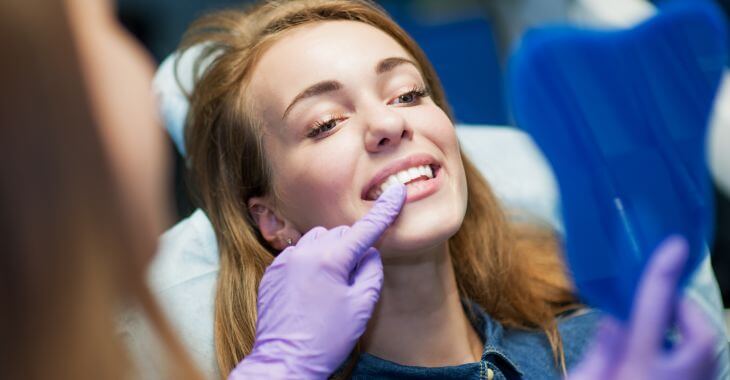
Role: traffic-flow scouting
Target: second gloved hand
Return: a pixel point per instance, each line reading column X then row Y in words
column 636, row 350
column 316, row 298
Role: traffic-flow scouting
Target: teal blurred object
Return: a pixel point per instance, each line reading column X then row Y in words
column 622, row 117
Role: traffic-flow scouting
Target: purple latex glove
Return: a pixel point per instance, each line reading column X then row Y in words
column 316, row 298
column 636, row 351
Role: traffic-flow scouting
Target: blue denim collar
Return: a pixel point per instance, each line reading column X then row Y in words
column 492, row 334
column 493, row 355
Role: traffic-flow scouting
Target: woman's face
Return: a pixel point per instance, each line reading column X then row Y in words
column 346, row 108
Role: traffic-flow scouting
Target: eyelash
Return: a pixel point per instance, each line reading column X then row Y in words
column 418, row 92
column 319, row 126
column 331, row 122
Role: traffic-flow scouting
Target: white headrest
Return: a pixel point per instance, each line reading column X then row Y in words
column 172, row 92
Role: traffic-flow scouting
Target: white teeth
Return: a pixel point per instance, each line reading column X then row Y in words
column 392, row 180
column 403, row 176
column 414, row 173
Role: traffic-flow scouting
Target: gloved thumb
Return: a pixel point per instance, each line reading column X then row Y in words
column 367, row 280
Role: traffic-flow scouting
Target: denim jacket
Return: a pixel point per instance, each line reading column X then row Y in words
column 508, row 353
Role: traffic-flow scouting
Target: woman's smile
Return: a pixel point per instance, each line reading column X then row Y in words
column 421, row 174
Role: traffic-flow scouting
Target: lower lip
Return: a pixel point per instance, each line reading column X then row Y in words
column 422, row 189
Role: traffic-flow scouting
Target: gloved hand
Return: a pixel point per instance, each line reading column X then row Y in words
column 316, row 298
column 636, row 351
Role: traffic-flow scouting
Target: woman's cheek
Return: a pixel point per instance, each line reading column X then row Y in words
column 316, row 189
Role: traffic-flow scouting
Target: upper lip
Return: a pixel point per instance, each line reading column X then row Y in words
column 395, row 167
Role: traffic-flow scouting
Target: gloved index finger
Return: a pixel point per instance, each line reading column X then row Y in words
column 366, row 231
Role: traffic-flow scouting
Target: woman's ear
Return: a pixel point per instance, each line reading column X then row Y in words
column 277, row 231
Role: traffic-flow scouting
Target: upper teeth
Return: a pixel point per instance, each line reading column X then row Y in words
column 403, row 176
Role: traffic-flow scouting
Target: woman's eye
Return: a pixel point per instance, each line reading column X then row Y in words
column 411, row 96
column 323, row 127
column 407, row 98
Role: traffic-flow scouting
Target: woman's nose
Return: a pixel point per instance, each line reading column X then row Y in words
column 386, row 128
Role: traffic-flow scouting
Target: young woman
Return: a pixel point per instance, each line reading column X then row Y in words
column 302, row 114
column 81, row 204
column 277, row 149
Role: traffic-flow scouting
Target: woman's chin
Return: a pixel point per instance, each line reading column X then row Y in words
column 410, row 241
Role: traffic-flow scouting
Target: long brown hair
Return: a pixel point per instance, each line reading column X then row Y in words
column 514, row 272
column 70, row 261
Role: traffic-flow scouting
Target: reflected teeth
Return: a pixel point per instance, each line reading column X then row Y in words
column 403, row 176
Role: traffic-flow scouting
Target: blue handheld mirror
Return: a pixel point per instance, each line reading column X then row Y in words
column 622, row 118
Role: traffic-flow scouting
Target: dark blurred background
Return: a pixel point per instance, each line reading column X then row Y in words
column 484, row 30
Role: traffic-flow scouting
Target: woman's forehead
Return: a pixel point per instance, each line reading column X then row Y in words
column 329, row 50
column 327, row 38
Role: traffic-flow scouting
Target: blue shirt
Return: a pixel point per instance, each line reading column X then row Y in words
column 508, row 353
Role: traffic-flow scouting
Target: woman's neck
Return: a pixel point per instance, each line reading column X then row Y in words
column 420, row 320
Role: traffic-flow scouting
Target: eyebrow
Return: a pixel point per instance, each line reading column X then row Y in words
column 390, row 63
column 326, row 86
